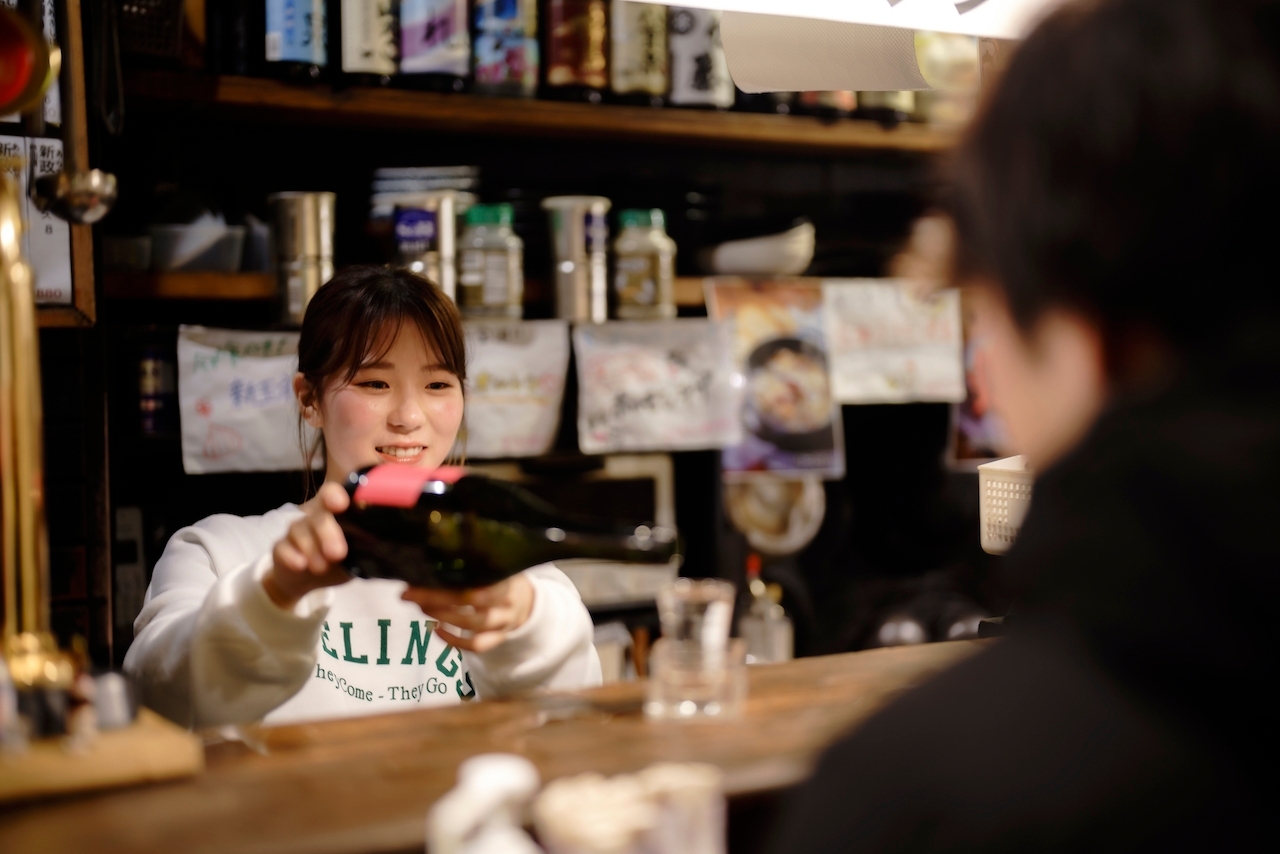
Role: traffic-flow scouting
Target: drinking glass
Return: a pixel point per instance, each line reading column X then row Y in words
column 696, row 669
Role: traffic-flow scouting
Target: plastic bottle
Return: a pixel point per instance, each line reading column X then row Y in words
column 644, row 267
column 491, row 275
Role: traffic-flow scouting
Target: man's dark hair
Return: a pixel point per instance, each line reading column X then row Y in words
column 1128, row 166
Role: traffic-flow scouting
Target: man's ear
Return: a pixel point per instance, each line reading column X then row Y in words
column 307, row 403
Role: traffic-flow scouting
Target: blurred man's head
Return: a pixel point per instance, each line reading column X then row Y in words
column 1118, row 197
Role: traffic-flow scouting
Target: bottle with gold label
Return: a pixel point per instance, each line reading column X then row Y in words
column 575, row 49
column 644, row 267
column 639, row 71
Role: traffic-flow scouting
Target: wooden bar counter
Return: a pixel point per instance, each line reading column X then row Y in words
column 364, row 785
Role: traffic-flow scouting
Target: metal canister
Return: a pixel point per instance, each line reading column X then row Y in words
column 304, row 227
column 580, row 235
column 426, row 234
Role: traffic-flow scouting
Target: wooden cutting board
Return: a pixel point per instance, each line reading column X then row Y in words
column 151, row 749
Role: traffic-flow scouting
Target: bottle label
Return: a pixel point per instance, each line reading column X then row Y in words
column 576, row 49
column 368, row 37
column 434, row 37
column 295, row 31
column 416, row 231
column 635, row 282
column 400, row 485
column 506, row 49
column 489, row 277
column 699, row 70
column 595, row 231
column 639, row 40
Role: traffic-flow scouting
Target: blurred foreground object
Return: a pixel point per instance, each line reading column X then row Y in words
column 484, row 812
column 41, row 695
column 668, row 808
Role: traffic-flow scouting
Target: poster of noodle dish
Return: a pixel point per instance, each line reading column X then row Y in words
column 790, row 420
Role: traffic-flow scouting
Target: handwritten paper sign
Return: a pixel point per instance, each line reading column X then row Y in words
column 46, row 243
column 656, row 386
column 515, row 385
column 890, row 346
column 235, row 396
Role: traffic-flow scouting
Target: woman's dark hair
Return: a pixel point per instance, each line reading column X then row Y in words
column 353, row 320
column 1127, row 166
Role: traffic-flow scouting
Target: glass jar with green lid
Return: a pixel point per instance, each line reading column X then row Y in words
column 491, row 274
column 644, row 267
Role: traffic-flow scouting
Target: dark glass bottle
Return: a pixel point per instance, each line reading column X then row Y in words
column 294, row 42
column 575, row 52
column 435, row 45
column 363, row 41
column 447, row 528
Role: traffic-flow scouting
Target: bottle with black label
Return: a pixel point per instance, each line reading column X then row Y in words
column 699, row 70
column 435, row 45
column 448, row 528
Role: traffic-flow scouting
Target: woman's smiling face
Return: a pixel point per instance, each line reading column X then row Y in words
column 405, row 408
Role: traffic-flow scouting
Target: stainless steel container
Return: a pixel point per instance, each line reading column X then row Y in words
column 426, row 233
column 580, row 235
column 304, row 226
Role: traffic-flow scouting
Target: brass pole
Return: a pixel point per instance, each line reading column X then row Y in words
column 10, row 261
column 26, row 543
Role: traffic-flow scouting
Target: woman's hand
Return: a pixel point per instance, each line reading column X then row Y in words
column 307, row 558
column 488, row 613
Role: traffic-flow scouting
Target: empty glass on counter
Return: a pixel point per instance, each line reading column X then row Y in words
column 696, row 669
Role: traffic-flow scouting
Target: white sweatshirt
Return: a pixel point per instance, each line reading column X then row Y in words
column 211, row 648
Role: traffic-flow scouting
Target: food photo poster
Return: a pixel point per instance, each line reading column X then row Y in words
column 790, row 420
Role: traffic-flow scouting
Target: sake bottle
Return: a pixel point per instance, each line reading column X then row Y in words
column 452, row 529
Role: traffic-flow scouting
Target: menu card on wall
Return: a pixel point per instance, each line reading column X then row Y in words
column 46, row 243
column 515, row 385
column 791, row 423
column 656, row 386
column 888, row 345
column 235, row 397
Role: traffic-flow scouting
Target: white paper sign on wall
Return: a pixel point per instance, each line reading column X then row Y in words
column 515, row 385
column 46, row 243
column 889, row 346
column 656, row 386
column 235, row 396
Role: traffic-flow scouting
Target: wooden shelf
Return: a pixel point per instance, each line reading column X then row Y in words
column 192, row 285
column 276, row 101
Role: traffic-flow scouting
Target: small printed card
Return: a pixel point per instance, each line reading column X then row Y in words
column 888, row 345
column 235, row 397
column 666, row 385
column 46, row 243
column 515, row 385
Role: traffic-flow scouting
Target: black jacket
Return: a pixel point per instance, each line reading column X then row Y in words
column 1129, row 707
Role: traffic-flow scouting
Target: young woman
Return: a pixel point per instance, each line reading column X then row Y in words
column 253, row 617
